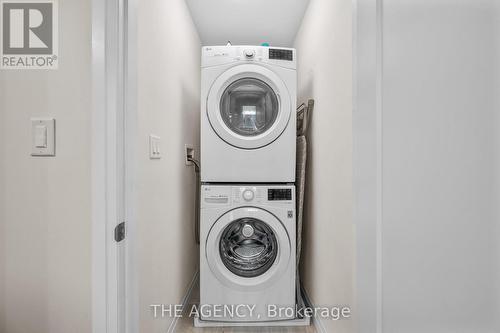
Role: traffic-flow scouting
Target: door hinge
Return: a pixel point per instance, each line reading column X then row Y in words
column 120, row 232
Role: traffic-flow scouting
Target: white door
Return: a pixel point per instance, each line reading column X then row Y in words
column 248, row 106
column 427, row 152
column 248, row 248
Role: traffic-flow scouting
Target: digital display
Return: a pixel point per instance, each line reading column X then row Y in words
column 281, row 54
column 274, row 194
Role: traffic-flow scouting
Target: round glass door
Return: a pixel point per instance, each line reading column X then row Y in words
column 249, row 106
column 248, row 247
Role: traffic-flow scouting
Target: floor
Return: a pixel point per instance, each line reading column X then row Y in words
column 185, row 324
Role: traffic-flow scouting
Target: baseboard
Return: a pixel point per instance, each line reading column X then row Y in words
column 184, row 301
column 316, row 320
column 279, row 323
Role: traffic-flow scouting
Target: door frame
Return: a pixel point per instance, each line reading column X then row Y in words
column 113, row 130
column 114, row 41
column 367, row 161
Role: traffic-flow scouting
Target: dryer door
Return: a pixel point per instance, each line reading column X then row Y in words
column 248, row 106
column 248, row 248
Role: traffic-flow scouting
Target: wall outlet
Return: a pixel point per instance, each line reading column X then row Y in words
column 154, row 147
column 188, row 153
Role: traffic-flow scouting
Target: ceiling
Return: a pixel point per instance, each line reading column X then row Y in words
column 247, row 21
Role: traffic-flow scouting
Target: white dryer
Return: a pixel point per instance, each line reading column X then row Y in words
column 248, row 119
column 247, row 252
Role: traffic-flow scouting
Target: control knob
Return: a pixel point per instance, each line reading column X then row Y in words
column 248, row 195
column 249, row 53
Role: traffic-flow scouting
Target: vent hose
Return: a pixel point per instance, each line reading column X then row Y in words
column 196, row 200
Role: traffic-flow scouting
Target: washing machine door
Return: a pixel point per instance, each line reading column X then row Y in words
column 248, row 106
column 248, row 248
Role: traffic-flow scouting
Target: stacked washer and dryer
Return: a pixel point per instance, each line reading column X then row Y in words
column 247, row 218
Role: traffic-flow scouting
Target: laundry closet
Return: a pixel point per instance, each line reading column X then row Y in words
column 171, row 88
column 340, row 262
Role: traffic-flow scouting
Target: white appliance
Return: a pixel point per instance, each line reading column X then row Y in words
column 247, row 252
column 248, row 120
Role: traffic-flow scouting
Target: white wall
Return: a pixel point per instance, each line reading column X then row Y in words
column 324, row 54
column 438, row 154
column 168, row 106
column 45, row 225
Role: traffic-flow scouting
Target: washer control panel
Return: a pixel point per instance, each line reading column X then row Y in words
column 247, row 194
column 216, row 195
column 279, row 194
column 257, row 194
column 242, row 195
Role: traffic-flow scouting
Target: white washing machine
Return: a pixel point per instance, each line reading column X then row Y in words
column 247, row 253
column 248, row 114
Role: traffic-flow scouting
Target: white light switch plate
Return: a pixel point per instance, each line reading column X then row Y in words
column 43, row 137
column 154, row 147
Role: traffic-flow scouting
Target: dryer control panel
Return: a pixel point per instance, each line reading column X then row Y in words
column 281, row 54
column 220, row 55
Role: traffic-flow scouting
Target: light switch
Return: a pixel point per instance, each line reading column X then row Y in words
column 43, row 134
column 40, row 136
column 154, row 147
